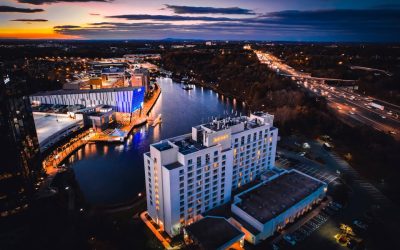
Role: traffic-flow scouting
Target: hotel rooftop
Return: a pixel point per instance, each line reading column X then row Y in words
column 187, row 145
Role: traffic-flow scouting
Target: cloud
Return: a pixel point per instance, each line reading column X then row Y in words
column 311, row 25
column 208, row 10
column 40, row 2
column 29, row 20
column 94, row 14
column 66, row 27
column 135, row 17
column 19, row 10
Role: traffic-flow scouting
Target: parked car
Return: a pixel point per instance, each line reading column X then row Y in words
column 360, row 224
column 289, row 239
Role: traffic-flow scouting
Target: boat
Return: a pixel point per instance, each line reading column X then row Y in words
column 187, row 87
column 157, row 121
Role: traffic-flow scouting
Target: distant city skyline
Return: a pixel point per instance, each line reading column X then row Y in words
column 290, row 20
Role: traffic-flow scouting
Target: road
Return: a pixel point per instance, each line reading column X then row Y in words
column 351, row 107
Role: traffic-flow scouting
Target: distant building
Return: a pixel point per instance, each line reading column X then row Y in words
column 126, row 100
column 19, row 155
column 193, row 173
column 140, row 78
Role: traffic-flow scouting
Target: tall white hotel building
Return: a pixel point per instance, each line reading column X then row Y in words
column 193, row 173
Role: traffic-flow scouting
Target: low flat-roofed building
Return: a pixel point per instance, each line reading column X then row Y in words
column 270, row 206
column 214, row 233
column 52, row 127
column 128, row 99
column 101, row 117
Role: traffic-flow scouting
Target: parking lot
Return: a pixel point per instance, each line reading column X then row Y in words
column 314, row 172
column 290, row 239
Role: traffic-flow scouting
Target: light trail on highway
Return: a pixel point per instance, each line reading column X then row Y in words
column 348, row 105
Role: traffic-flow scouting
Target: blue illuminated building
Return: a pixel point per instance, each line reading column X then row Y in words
column 128, row 99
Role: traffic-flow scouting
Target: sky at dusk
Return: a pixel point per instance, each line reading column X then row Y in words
column 284, row 20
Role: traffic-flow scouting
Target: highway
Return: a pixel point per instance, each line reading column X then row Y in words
column 351, row 107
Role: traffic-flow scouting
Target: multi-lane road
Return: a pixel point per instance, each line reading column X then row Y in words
column 351, row 107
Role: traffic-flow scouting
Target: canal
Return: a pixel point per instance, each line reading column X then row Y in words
column 113, row 173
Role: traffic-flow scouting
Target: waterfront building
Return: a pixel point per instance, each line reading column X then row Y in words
column 128, row 99
column 140, row 78
column 19, row 154
column 193, row 173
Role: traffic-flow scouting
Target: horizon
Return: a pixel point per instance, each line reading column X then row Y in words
column 256, row 20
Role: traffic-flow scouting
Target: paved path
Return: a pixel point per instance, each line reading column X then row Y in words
column 156, row 233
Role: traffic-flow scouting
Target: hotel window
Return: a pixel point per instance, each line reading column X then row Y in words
column 215, row 159
column 181, row 178
column 198, row 161
column 190, row 168
column 190, row 161
column 181, row 172
column 207, row 158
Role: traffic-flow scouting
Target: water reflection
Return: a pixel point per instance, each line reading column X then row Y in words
column 114, row 173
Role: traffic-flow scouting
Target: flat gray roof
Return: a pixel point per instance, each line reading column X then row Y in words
column 161, row 146
column 213, row 232
column 50, row 124
column 79, row 91
column 272, row 198
column 173, row 165
column 188, row 145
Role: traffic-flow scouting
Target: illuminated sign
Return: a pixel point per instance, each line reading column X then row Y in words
column 220, row 138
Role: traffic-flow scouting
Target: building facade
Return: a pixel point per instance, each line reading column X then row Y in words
column 127, row 99
column 19, row 154
column 270, row 205
column 193, row 173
